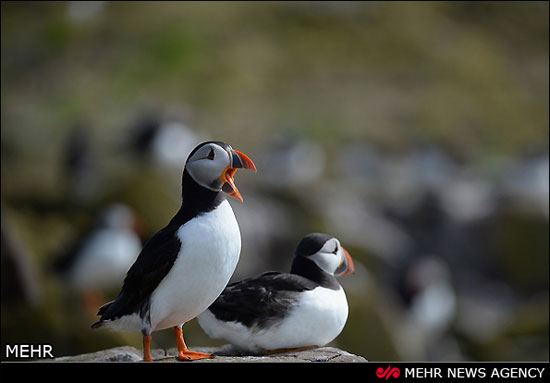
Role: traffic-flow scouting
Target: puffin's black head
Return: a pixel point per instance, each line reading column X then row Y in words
column 213, row 164
column 327, row 253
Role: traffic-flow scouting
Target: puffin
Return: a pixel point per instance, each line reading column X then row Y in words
column 184, row 267
column 98, row 261
column 278, row 312
column 164, row 140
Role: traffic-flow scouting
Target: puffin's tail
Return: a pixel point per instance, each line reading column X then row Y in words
column 101, row 311
column 97, row 324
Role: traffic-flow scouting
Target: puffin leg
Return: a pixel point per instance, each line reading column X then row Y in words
column 282, row 350
column 147, row 348
column 183, row 352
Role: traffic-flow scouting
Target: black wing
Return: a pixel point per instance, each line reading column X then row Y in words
column 153, row 263
column 260, row 300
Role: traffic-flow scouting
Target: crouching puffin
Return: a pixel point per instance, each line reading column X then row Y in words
column 184, row 267
column 276, row 312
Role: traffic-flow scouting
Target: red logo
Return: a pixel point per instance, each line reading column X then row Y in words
column 388, row 372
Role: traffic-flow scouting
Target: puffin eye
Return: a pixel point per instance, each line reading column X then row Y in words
column 211, row 155
column 335, row 251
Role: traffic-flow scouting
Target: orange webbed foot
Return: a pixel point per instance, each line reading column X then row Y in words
column 194, row 355
column 184, row 354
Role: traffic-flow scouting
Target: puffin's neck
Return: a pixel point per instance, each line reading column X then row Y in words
column 308, row 269
column 196, row 199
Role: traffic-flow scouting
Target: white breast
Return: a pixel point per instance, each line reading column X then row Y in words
column 320, row 316
column 210, row 248
column 315, row 320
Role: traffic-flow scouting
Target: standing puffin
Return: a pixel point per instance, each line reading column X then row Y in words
column 184, row 267
column 277, row 311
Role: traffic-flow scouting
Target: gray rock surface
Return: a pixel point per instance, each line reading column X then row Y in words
column 223, row 354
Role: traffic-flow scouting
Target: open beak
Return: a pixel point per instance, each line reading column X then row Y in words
column 239, row 160
column 347, row 265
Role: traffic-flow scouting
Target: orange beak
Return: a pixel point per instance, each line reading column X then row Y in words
column 350, row 267
column 239, row 160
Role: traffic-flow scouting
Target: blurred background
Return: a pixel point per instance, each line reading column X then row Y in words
column 416, row 133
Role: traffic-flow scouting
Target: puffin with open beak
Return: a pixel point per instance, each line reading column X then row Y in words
column 184, row 267
column 276, row 312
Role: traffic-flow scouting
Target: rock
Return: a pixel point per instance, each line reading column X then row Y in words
column 223, row 354
column 117, row 354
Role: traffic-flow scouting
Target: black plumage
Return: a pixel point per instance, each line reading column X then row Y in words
column 312, row 243
column 258, row 301
column 306, row 268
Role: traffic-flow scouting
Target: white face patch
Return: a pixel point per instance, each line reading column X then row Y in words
column 329, row 257
column 207, row 165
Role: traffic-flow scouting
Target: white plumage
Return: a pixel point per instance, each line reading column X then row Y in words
column 211, row 244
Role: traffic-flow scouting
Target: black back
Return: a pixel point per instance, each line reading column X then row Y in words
column 261, row 300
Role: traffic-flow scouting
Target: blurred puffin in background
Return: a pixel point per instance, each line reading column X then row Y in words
column 164, row 140
column 298, row 161
column 79, row 167
column 97, row 262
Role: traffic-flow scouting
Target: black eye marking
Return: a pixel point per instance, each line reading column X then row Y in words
column 211, row 154
column 335, row 250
